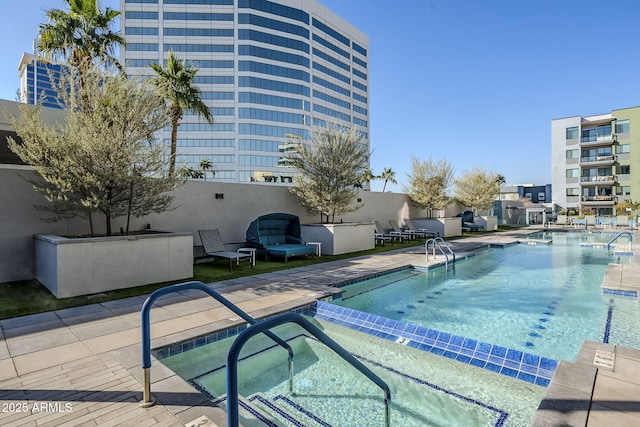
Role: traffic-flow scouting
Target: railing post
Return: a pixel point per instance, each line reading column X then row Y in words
column 233, row 416
column 146, row 331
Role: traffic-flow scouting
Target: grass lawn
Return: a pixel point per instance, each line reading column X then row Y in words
column 30, row 297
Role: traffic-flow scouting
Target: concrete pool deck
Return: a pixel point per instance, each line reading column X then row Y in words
column 82, row 366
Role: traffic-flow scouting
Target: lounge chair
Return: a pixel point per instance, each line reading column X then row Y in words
column 404, row 233
column 382, row 235
column 425, row 231
column 278, row 234
column 562, row 220
column 213, row 247
column 622, row 221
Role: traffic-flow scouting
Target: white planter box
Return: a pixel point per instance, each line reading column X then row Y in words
column 339, row 239
column 488, row 222
column 84, row 266
column 447, row 227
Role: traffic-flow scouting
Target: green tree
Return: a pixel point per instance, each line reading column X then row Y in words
column 478, row 188
column 621, row 207
column 389, row 176
column 366, row 177
column 189, row 172
column 80, row 35
column 429, row 183
column 102, row 158
column 176, row 84
column 205, row 165
column 327, row 170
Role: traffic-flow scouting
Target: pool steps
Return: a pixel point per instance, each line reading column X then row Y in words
column 512, row 363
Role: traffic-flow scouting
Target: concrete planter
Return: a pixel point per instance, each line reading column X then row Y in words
column 447, row 227
column 83, row 266
column 488, row 222
column 339, row 239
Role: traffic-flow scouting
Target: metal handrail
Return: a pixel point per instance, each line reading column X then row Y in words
column 622, row 233
column 435, row 241
column 265, row 325
column 146, row 331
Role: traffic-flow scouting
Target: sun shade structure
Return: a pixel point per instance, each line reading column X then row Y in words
column 277, row 234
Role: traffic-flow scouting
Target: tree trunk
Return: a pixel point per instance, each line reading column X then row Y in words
column 174, row 146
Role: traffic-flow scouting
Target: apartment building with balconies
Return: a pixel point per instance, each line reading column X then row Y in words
column 593, row 160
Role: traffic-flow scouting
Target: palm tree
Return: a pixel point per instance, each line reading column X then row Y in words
column 389, row 176
column 367, row 177
column 205, row 164
column 80, row 35
column 176, row 83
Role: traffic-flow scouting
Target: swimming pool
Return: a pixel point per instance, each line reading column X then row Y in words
column 543, row 299
column 542, row 315
column 427, row 390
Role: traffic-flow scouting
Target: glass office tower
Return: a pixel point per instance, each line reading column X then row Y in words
column 270, row 71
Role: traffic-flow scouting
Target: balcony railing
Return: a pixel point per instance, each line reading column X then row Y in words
column 597, row 139
column 597, row 179
column 607, row 198
column 592, row 159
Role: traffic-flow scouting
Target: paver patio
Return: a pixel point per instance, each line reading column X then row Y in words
column 82, row 366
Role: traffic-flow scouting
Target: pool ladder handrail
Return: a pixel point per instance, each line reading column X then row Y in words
column 146, row 331
column 266, row 325
column 622, row 233
column 436, row 244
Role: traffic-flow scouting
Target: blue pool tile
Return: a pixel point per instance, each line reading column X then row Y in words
column 509, row 372
column 529, row 369
column 470, row 344
column 453, row 347
column 429, row 341
column 514, row 355
column 496, row 359
column 481, row 356
column 499, row 351
column 462, row 358
column 436, row 350
column 548, row 364
column 390, row 323
column 478, row 363
column 422, row 331
column 511, row 364
column 542, row 382
column 431, row 333
column 444, row 337
column 466, row 351
column 456, row 340
column 425, row 347
column 493, row 367
column 527, row 377
column 530, row 359
column 484, row 347
column 410, row 329
column 413, row 344
column 189, row 345
column 542, row 373
column 201, row 341
column 450, row 354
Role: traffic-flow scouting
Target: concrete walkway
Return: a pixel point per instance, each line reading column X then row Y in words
column 81, row 366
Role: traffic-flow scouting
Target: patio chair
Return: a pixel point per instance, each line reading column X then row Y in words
column 426, row 232
column 212, row 246
column 383, row 235
column 404, row 233
column 622, row 221
column 562, row 220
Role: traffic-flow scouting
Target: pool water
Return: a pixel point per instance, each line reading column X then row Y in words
column 427, row 390
column 543, row 299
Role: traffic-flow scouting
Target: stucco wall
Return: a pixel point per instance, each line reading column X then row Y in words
column 195, row 207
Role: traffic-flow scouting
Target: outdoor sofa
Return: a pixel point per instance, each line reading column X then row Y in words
column 277, row 235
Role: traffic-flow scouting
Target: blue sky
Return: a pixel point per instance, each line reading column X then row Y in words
column 473, row 82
